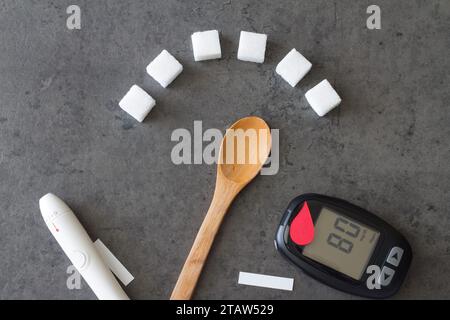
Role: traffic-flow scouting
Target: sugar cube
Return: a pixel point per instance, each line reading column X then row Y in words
column 164, row 69
column 206, row 45
column 293, row 67
column 252, row 47
column 137, row 103
column 323, row 98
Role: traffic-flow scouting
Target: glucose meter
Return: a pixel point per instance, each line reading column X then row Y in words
column 344, row 246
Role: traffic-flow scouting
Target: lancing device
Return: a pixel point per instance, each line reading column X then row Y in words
column 79, row 248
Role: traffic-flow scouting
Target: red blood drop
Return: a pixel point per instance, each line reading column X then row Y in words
column 302, row 228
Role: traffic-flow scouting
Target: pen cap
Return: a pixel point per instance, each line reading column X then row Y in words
column 51, row 207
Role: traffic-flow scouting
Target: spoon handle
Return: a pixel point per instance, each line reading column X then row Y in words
column 187, row 281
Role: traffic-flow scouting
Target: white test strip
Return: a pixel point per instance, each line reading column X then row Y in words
column 260, row 280
column 113, row 263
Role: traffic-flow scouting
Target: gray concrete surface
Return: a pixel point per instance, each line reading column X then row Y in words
column 386, row 148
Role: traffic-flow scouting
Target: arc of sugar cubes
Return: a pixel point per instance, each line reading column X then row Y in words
column 165, row 68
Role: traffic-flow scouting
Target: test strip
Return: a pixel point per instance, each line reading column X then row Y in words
column 260, row 280
column 113, row 263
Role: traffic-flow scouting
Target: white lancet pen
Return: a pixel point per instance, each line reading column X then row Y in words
column 79, row 248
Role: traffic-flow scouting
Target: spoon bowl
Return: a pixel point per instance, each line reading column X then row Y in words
column 245, row 148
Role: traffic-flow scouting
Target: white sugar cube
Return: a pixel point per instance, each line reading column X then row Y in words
column 252, row 47
column 294, row 67
column 164, row 69
column 323, row 98
column 206, row 45
column 137, row 103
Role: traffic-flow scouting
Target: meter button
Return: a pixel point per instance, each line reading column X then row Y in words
column 386, row 276
column 395, row 256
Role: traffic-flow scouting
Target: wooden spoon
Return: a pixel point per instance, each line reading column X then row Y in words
column 233, row 174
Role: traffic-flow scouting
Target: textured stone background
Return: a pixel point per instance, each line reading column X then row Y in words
column 386, row 148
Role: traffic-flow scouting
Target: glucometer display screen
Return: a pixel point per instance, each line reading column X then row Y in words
column 342, row 244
